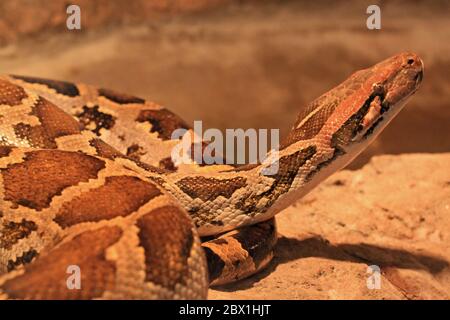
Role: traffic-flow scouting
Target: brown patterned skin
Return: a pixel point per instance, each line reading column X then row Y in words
column 45, row 278
column 49, row 172
column 85, row 180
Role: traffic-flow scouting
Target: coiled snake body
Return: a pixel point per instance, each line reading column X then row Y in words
column 86, row 180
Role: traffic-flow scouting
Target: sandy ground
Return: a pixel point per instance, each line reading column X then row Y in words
column 393, row 213
column 241, row 64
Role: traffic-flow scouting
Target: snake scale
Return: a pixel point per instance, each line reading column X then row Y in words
column 86, row 180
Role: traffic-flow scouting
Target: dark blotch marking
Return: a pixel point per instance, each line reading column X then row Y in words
column 258, row 240
column 119, row 196
column 119, row 98
column 99, row 119
column 215, row 264
column 135, row 151
column 167, row 164
column 36, row 136
column 220, row 241
column 216, row 223
column 5, row 151
column 25, row 258
column 46, row 277
column 167, row 238
column 48, row 173
column 288, row 169
column 10, row 94
column 105, row 150
column 208, row 189
column 163, row 122
column 62, row 87
column 11, row 232
column 54, row 123
column 194, row 209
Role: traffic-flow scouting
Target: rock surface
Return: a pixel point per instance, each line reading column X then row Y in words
column 393, row 213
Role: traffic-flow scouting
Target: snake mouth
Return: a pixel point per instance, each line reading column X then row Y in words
column 418, row 78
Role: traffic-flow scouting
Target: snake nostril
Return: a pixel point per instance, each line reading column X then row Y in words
column 410, row 61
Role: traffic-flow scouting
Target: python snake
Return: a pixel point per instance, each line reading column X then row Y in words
column 86, row 180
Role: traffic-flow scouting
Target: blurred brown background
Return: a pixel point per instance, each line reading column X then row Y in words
column 249, row 64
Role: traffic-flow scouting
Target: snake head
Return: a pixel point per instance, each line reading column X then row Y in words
column 374, row 97
column 354, row 112
column 404, row 73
